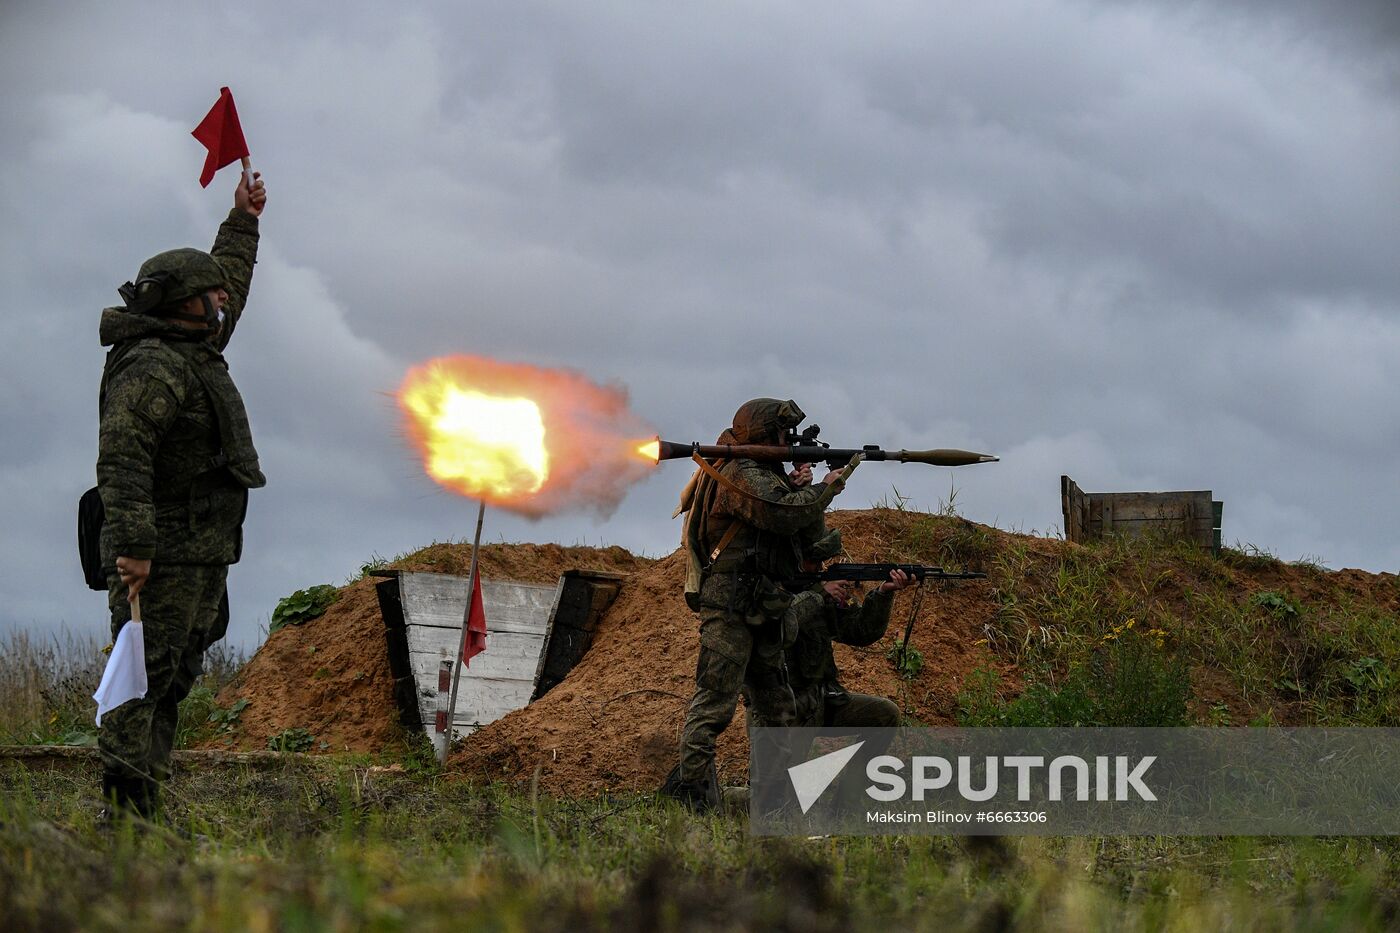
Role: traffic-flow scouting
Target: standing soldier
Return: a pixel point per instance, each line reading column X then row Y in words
column 174, row 465
column 741, row 535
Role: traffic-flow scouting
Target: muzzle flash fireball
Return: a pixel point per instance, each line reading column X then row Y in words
column 531, row 440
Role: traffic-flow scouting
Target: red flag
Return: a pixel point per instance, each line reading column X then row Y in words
column 476, row 627
column 221, row 134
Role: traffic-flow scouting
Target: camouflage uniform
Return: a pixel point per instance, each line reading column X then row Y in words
column 174, row 466
column 821, row 700
column 740, row 600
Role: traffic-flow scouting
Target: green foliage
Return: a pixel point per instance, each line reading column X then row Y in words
column 1277, row 604
column 192, row 726
column 80, row 738
column 303, row 606
column 1249, row 557
column 908, row 660
column 46, row 686
column 202, row 718
column 1130, row 681
column 1369, row 675
column 295, row 739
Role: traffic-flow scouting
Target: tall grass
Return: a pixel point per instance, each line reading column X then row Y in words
column 46, row 686
column 47, row 682
column 1278, row 642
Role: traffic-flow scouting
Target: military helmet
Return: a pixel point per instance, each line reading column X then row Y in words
column 765, row 419
column 824, row 548
column 172, row 277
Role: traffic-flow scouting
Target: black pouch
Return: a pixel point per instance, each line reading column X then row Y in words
column 91, row 517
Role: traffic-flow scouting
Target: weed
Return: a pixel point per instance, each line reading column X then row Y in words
column 1249, row 557
column 1277, row 604
column 908, row 660
column 303, row 606
column 899, row 502
column 376, row 561
column 1129, row 681
column 295, row 739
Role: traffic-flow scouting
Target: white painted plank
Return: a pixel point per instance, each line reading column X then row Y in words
column 440, row 600
column 501, row 678
column 506, row 655
column 479, row 699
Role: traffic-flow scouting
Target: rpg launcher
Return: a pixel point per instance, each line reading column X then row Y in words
column 805, row 448
column 878, row 573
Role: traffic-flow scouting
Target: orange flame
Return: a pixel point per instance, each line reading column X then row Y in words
column 531, row 440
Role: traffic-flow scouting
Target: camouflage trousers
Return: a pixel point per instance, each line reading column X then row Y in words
column 735, row 657
column 854, row 710
column 184, row 610
column 818, row 708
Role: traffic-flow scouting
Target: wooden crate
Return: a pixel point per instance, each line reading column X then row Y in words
column 1092, row 516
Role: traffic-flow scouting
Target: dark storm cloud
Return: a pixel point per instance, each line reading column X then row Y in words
column 1145, row 245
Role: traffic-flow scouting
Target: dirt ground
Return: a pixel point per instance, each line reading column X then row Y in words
column 613, row 724
column 331, row 675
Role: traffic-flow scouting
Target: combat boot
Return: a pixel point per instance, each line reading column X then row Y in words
column 118, row 797
column 699, row 796
column 129, row 796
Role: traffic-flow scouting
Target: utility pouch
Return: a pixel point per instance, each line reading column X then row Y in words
column 91, row 517
column 769, row 601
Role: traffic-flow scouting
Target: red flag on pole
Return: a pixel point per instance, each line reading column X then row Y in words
column 476, row 626
column 222, row 135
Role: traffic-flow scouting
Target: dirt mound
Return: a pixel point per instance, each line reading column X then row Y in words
column 1266, row 640
column 331, row 676
column 614, row 722
column 1272, row 642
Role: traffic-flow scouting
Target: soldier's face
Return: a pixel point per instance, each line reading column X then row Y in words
column 217, row 296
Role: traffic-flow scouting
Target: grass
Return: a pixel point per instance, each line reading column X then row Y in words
column 1265, row 641
column 334, row 844
column 337, row 843
column 46, row 687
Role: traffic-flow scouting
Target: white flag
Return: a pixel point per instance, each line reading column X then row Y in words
column 125, row 675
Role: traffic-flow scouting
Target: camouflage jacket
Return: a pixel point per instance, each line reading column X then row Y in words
column 764, row 550
column 175, row 458
column 811, row 661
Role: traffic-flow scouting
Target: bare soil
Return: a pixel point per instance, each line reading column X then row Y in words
column 331, row 677
column 613, row 724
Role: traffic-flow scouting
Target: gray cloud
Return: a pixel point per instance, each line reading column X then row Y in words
column 1143, row 244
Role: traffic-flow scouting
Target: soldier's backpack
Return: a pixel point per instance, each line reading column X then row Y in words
column 91, row 517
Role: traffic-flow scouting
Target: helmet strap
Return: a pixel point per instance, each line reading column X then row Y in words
column 210, row 317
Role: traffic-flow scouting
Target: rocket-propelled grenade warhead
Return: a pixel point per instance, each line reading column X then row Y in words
column 815, row 453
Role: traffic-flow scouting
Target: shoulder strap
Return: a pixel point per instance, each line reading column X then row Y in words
column 724, row 540
column 738, row 490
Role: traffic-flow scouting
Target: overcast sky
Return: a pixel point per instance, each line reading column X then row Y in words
column 1150, row 245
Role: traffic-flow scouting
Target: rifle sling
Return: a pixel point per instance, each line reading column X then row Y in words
column 724, row 540
column 735, row 488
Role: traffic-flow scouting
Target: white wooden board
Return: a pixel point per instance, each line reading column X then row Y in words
column 502, row 677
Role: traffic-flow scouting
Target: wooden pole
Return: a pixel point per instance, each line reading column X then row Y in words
column 462, row 642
